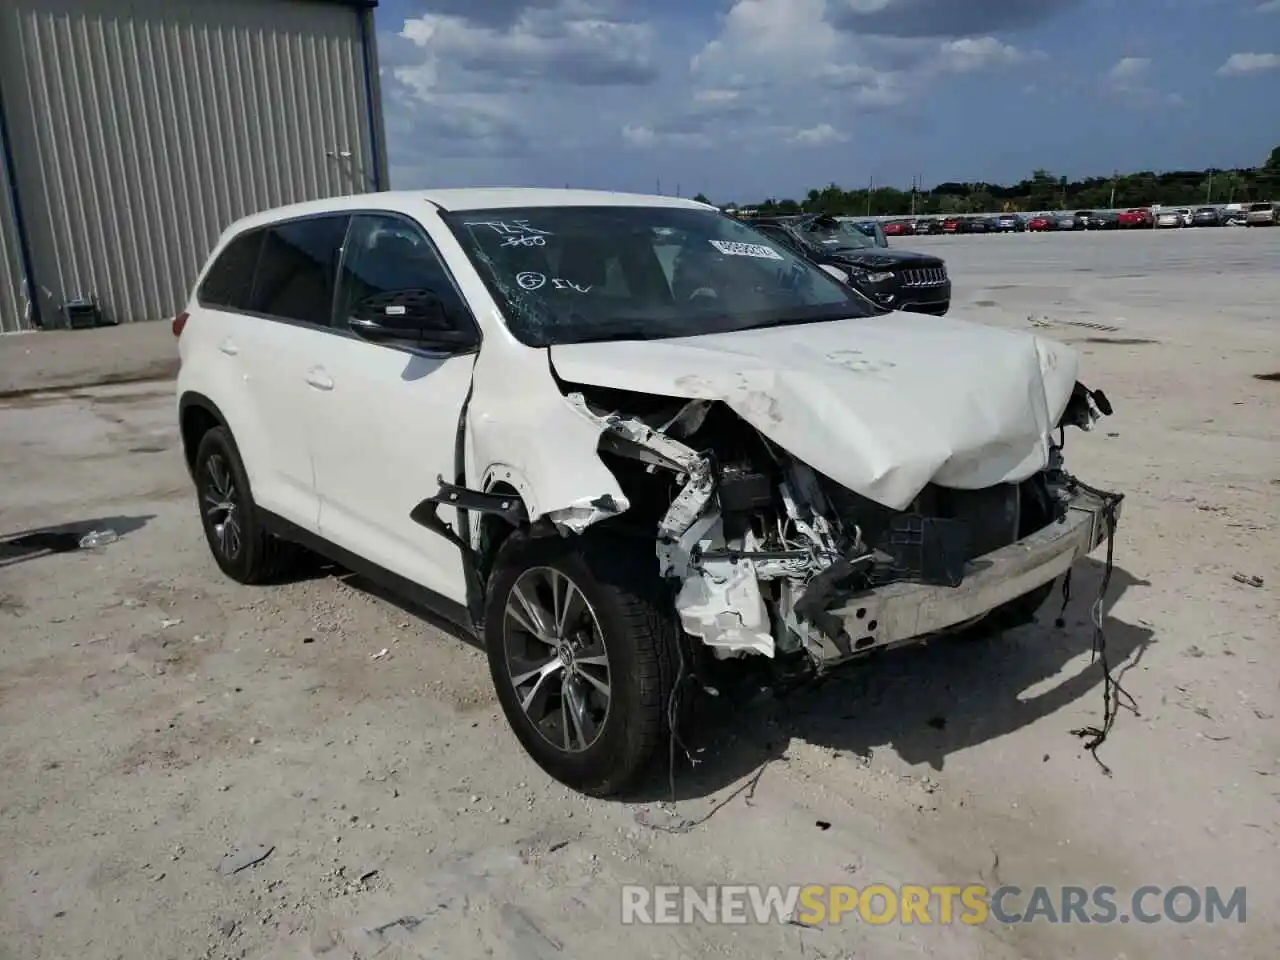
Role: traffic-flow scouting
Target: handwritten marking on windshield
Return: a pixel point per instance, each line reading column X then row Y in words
column 515, row 233
column 532, row 280
column 758, row 250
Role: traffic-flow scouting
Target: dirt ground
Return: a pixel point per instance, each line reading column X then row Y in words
column 155, row 717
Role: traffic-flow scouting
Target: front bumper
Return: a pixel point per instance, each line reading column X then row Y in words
column 906, row 612
column 933, row 299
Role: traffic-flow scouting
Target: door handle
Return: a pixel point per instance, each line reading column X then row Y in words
column 319, row 379
column 228, row 347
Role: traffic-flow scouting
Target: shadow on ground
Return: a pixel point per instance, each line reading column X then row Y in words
column 926, row 701
column 63, row 538
column 312, row 566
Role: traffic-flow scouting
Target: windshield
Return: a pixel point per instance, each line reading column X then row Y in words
column 833, row 234
column 578, row 274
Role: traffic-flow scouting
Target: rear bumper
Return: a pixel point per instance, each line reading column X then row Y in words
column 908, row 612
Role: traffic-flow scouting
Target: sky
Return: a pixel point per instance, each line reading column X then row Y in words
column 746, row 99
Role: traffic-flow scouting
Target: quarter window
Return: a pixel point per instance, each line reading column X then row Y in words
column 296, row 269
column 229, row 281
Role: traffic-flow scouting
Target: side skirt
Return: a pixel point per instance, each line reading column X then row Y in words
column 406, row 589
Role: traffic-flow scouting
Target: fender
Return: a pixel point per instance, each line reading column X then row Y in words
column 193, row 399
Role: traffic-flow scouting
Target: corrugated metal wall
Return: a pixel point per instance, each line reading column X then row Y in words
column 141, row 128
column 13, row 312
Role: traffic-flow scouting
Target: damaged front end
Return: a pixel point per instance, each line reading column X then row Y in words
column 768, row 556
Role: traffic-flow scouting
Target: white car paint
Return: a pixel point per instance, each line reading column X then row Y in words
column 882, row 405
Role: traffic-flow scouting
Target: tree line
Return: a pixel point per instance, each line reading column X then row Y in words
column 1041, row 191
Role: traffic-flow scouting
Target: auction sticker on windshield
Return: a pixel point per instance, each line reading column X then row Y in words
column 758, row 250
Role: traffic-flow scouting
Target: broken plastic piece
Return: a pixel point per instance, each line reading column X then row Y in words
column 98, row 538
column 579, row 516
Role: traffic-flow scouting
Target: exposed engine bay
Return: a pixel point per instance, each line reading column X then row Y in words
column 765, row 553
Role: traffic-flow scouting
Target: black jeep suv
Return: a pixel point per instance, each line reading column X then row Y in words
column 894, row 279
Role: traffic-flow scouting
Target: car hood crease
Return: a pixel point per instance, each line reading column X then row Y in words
column 882, row 405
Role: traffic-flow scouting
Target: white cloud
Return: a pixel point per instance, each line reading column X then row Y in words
column 646, row 137
column 466, row 94
column 1129, row 82
column 797, row 71
column 769, row 37
column 1130, row 68
column 715, row 95
column 977, row 53
column 614, row 92
column 546, row 45
column 1271, row 6
column 818, row 135
column 1241, row 63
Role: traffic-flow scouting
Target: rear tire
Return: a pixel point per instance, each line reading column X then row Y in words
column 583, row 646
column 240, row 544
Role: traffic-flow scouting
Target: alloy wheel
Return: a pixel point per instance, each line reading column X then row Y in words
column 556, row 659
column 221, row 505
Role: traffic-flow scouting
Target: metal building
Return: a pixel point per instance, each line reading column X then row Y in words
column 133, row 131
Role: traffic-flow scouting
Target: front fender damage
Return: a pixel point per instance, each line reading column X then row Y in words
column 764, row 553
column 720, row 600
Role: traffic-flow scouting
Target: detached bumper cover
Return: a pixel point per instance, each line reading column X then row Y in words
column 903, row 612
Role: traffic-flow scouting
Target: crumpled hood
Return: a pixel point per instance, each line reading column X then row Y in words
column 883, row 405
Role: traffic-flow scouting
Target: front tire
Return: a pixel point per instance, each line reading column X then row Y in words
column 582, row 640
column 240, row 544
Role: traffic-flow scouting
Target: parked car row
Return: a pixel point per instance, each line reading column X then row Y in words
column 1255, row 214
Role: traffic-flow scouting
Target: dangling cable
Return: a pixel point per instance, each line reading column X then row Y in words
column 1114, row 696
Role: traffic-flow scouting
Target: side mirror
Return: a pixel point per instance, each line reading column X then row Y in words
column 409, row 318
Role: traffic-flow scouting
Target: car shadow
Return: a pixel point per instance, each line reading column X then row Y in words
column 63, row 538
column 407, row 606
column 312, row 566
column 925, row 701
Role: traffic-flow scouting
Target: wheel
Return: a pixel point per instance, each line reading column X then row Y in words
column 582, row 639
column 240, row 545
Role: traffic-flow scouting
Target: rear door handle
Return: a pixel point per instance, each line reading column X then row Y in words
column 319, row 379
column 228, row 347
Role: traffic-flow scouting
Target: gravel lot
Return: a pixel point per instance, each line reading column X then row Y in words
column 155, row 717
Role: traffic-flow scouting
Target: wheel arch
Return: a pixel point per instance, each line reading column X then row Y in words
column 197, row 415
column 493, row 530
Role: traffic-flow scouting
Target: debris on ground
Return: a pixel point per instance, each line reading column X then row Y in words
column 243, row 858
column 1043, row 321
column 98, row 538
column 1247, row 579
column 381, row 654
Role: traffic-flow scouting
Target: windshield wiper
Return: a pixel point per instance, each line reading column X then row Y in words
column 610, row 334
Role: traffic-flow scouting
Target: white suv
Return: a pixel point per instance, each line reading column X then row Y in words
column 621, row 438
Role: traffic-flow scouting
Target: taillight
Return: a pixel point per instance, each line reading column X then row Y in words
column 179, row 322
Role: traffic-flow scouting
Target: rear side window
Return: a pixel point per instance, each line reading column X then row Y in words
column 296, row 269
column 230, row 279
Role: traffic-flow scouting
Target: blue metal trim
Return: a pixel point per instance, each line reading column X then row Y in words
column 19, row 222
